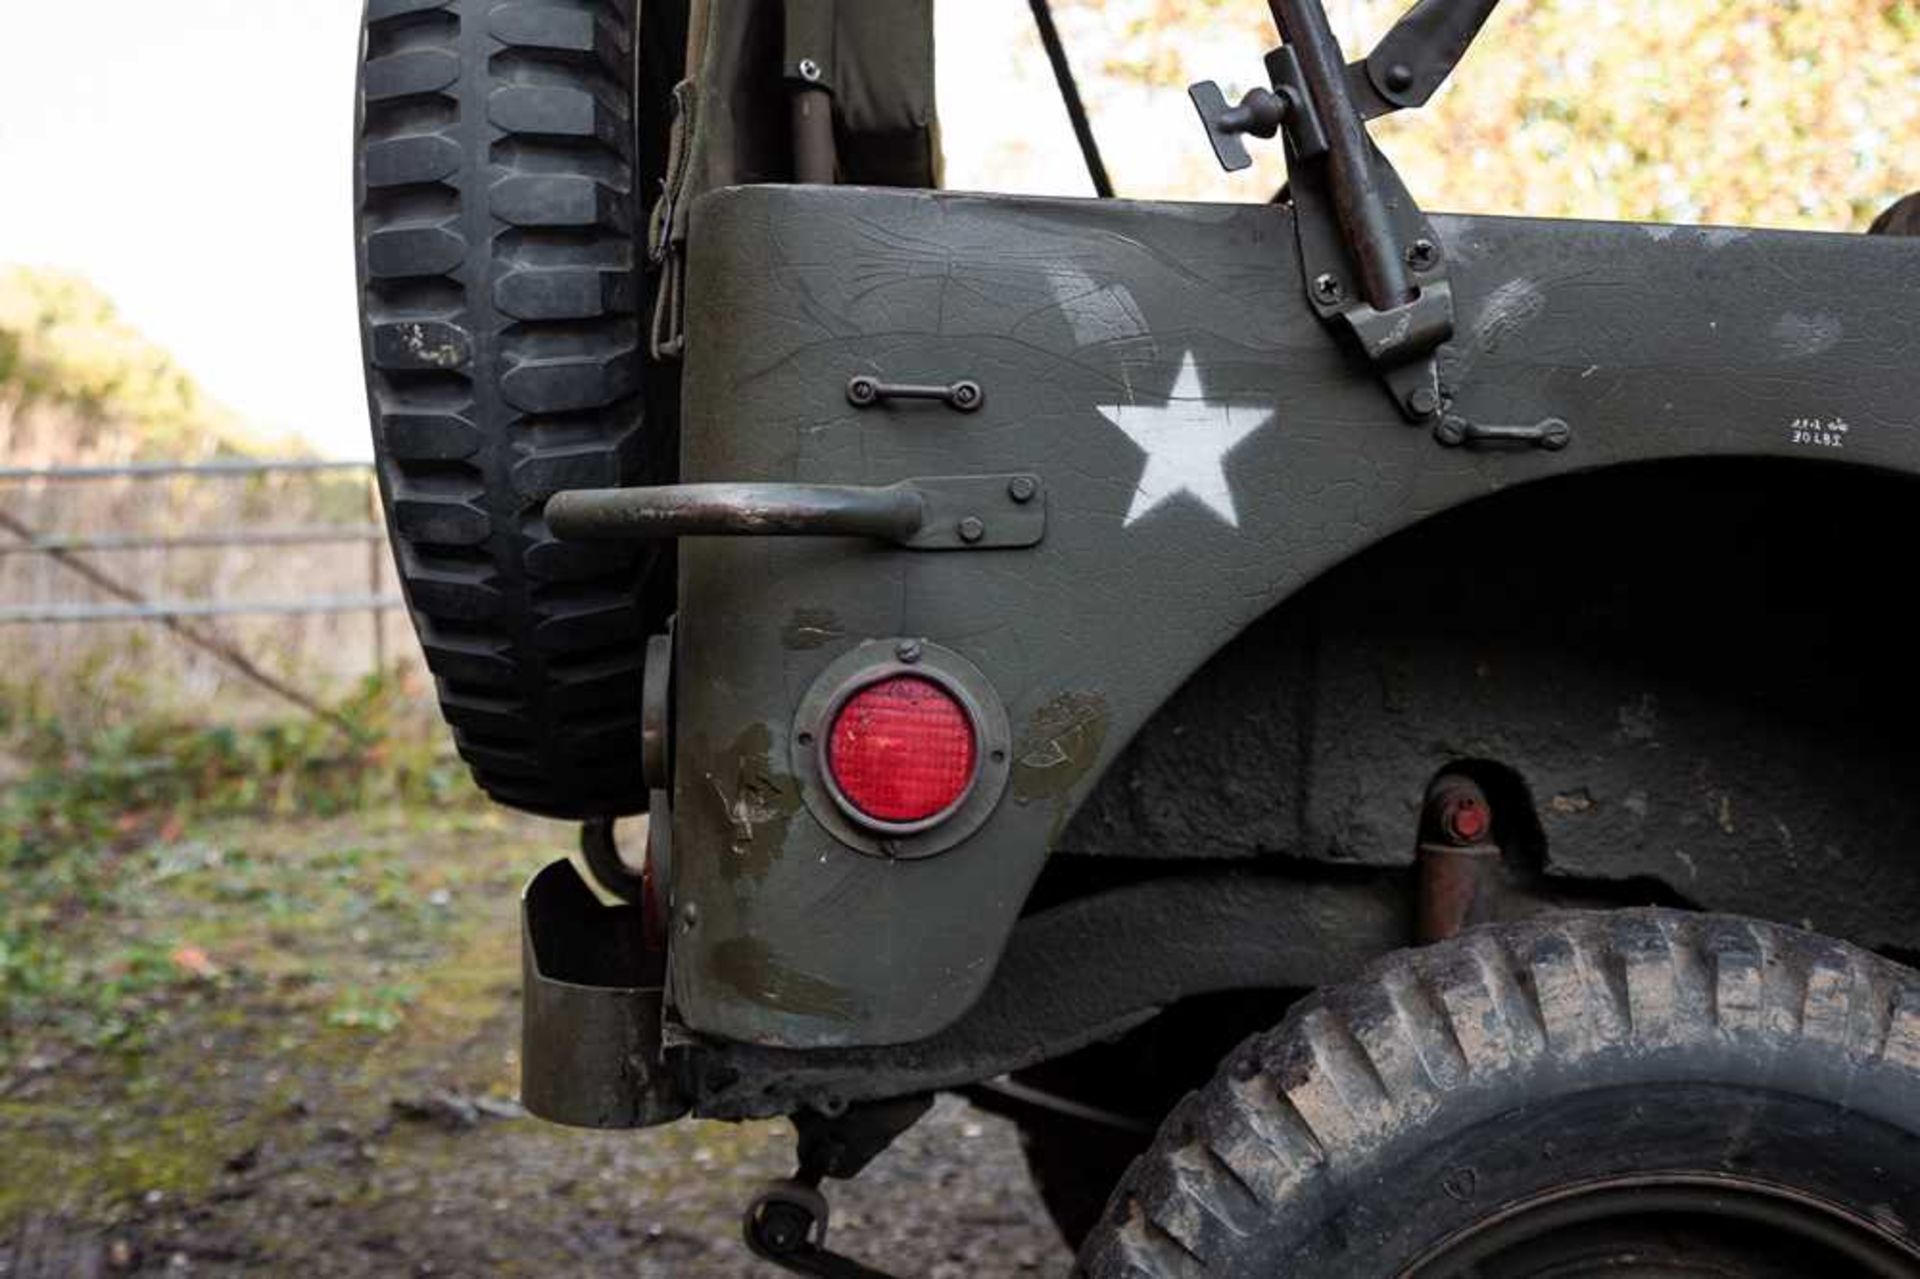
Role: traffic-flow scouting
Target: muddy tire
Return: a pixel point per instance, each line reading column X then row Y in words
column 1698, row 1094
column 504, row 155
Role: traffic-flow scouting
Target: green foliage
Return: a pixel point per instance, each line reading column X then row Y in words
column 91, row 823
column 1750, row 112
column 64, row 348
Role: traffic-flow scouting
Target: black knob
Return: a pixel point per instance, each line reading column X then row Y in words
column 1261, row 113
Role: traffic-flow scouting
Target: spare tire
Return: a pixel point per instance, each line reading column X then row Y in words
column 505, row 155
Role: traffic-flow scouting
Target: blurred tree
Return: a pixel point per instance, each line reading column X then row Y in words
column 79, row 383
column 1789, row 113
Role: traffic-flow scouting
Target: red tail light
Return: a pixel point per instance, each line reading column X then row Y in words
column 902, row 751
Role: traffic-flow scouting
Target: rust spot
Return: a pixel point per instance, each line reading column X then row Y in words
column 757, row 804
column 748, row 967
column 810, row 628
column 1059, row 745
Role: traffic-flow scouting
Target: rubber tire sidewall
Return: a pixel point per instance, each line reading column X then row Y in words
column 1444, row 1085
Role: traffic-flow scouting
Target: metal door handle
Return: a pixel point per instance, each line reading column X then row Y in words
column 972, row 512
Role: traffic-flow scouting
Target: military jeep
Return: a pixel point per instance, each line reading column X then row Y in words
column 1385, row 741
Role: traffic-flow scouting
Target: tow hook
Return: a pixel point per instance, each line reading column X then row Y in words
column 786, row 1223
column 1459, row 862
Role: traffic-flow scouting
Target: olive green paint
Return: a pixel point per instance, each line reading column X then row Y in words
column 749, row 967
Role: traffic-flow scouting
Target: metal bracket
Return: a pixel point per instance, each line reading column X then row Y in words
column 949, row 513
column 1371, row 261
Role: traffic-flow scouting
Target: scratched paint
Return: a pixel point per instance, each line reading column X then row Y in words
column 811, row 628
column 1803, row 336
column 1059, row 745
column 757, row 803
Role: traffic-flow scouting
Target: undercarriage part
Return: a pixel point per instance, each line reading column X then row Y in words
column 957, row 513
column 1459, row 864
column 786, row 1223
column 1152, row 944
column 591, row 1048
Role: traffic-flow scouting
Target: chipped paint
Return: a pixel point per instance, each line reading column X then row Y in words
column 757, row 803
column 1508, row 309
column 811, row 628
column 1058, row 746
column 1802, row 336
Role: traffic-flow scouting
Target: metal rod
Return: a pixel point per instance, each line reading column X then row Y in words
column 161, row 470
column 205, row 640
column 1458, row 860
column 814, row 158
column 895, row 513
column 1357, row 203
column 164, row 610
column 1070, row 94
column 316, row 535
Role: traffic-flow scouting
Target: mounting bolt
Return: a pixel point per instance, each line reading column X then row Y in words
column 1326, row 287
column 862, row 390
column 965, row 396
column 908, row 651
column 972, row 529
column 1399, row 78
column 1423, row 401
column 809, row 70
column 1422, row 254
column 1021, row 488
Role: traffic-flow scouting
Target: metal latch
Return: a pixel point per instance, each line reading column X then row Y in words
column 953, row 513
column 1370, row 260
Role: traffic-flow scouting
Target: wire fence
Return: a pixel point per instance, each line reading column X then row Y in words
column 87, row 554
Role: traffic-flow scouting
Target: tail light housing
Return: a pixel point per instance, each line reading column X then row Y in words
column 902, row 747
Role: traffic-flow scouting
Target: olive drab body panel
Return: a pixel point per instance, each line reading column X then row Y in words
column 1204, row 448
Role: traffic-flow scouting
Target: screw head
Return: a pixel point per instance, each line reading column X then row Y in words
column 1326, row 287
column 1422, row 253
column 908, row 651
column 809, row 69
column 972, row 529
column 1399, row 78
column 862, row 390
column 1422, row 400
column 1021, row 488
column 965, row 396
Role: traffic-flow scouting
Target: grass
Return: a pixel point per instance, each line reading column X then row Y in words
column 98, row 833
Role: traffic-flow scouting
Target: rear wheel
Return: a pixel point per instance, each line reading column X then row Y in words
column 1647, row 1092
column 504, row 158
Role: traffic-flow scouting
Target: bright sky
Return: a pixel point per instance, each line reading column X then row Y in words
column 192, row 157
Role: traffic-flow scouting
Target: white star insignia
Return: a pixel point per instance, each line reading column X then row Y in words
column 1186, row 441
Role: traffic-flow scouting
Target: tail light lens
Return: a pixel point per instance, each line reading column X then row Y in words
column 903, row 751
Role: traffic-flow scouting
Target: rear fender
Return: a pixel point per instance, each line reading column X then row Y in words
column 1271, row 453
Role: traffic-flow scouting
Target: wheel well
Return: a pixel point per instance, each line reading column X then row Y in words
column 1690, row 676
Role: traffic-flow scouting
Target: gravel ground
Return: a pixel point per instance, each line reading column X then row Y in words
column 285, row 1114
